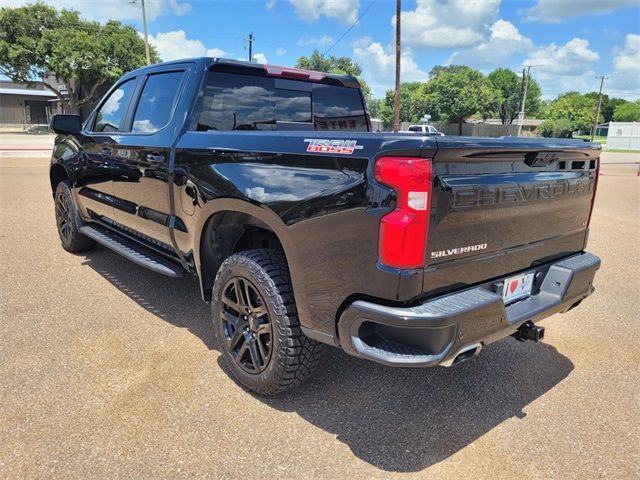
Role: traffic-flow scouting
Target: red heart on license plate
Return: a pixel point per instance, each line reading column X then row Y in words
column 513, row 285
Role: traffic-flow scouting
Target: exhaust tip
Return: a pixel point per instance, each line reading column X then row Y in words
column 463, row 355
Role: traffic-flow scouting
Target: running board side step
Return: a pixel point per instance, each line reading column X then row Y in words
column 132, row 251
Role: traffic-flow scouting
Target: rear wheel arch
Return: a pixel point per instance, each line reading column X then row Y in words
column 227, row 232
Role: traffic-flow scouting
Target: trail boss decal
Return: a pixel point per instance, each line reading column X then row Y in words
column 342, row 147
column 458, row 251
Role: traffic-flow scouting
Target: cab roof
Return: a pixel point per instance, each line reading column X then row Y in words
column 250, row 68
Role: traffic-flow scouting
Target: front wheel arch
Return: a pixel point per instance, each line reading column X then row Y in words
column 57, row 174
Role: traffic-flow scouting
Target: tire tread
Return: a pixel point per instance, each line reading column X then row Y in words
column 299, row 355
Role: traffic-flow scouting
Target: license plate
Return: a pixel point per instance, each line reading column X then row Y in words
column 517, row 287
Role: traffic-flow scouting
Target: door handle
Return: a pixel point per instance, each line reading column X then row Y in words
column 155, row 159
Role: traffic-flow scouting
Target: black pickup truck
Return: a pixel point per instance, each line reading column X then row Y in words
column 304, row 228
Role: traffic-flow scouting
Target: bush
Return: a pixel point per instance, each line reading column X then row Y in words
column 556, row 128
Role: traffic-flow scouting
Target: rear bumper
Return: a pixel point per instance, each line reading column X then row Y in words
column 439, row 330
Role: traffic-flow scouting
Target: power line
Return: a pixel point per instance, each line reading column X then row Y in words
column 351, row 27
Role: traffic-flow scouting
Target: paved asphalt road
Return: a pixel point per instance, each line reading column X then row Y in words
column 108, row 371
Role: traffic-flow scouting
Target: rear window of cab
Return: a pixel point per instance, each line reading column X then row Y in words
column 234, row 101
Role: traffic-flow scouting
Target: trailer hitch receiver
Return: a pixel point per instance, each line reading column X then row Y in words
column 529, row 331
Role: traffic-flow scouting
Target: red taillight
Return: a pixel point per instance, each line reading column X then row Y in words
column 403, row 232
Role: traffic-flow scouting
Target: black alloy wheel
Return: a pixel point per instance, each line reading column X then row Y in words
column 255, row 323
column 246, row 325
column 66, row 214
column 63, row 216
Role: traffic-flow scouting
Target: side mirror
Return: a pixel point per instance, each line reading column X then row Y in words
column 66, row 124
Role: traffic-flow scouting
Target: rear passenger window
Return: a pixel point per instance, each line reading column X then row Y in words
column 109, row 117
column 338, row 108
column 246, row 102
column 415, row 129
column 156, row 102
column 249, row 102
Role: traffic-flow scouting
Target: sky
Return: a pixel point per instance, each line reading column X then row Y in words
column 568, row 42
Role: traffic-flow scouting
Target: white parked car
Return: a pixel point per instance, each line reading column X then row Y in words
column 425, row 130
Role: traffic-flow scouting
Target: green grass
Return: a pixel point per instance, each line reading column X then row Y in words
column 595, row 139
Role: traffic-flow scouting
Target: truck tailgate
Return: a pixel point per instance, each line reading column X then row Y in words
column 503, row 205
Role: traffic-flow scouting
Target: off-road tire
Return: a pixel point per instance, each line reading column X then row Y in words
column 293, row 356
column 66, row 214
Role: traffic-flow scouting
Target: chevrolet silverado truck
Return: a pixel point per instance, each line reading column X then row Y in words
column 305, row 229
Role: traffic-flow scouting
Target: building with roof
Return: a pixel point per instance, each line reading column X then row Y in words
column 21, row 105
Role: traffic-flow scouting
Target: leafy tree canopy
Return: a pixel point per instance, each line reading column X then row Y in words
column 329, row 63
column 627, row 112
column 37, row 41
column 408, row 110
column 456, row 92
column 610, row 105
column 508, row 88
column 578, row 110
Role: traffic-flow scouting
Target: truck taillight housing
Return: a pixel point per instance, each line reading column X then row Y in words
column 403, row 232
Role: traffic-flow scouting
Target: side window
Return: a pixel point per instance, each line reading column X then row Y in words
column 247, row 102
column 109, row 117
column 156, row 102
column 338, row 108
column 415, row 128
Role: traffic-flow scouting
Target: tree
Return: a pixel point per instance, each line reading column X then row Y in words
column 38, row 41
column 409, row 109
column 610, row 107
column 438, row 69
column 339, row 65
column 508, row 87
column 455, row 93
column 575, row 108
column 560, row 128
column 627, row 112
column 375, row 106
column 608, row 104
column 329, row 63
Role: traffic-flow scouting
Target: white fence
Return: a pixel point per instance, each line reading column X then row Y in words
column 477, row 129
column 623, row 136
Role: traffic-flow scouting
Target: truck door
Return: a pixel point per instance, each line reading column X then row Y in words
column 141, row 156
column 94, row 183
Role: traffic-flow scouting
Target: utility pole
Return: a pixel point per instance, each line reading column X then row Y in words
column 251, row 39
column 146, row 31
column 396, row 95
column 595, row 121
column 525, row 79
